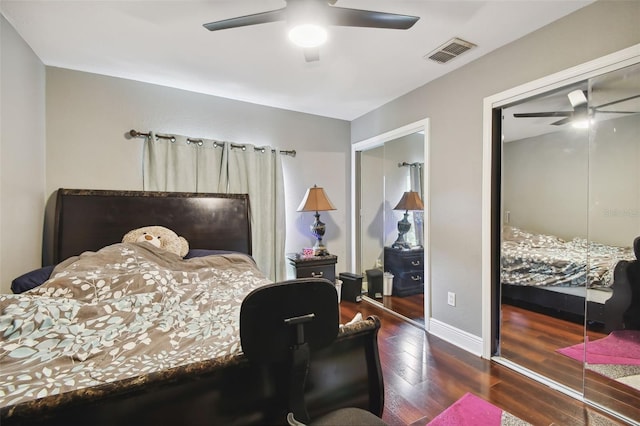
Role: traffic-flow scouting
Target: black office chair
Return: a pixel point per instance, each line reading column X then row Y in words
column 281, row 324
column 622, row 310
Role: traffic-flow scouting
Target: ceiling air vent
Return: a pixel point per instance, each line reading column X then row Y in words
column 449, row 50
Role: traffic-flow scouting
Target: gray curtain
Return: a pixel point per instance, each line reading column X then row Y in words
column 416, row 179
column 223, row 167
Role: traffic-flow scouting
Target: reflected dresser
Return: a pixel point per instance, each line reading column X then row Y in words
column 407, row 267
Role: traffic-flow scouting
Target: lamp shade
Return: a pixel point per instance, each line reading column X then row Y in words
column 315, row 200
column 410, row 201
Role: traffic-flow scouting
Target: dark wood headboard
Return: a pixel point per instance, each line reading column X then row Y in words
column 92, row 219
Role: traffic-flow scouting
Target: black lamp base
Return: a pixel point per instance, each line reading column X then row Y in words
column 317, row 229
column 400, row 245
column 320, row 251
column 403, row 227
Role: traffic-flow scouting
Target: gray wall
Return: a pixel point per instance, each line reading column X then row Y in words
column 553, row 183
column 79, row 141
column 372, row 207
column 22, row 150
column 614, row 181
column 546, row 183
column 88, row 116
column 454, row 105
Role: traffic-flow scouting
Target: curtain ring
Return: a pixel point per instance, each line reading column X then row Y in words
column 171, row 138
column 197, row 141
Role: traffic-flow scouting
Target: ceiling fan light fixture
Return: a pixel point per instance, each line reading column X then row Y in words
column 582, row 123
column 577, row 98
column 308, row 35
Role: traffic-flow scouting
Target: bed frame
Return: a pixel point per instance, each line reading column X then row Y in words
column 604, row 317
column 92, row 219
column 226, row 390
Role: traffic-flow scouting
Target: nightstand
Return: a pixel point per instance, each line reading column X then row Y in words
column 313, row 266
column 407, row 267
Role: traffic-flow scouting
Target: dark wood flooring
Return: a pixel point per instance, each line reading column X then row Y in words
column 531, row 340
column 411, row 307
column 424, row 375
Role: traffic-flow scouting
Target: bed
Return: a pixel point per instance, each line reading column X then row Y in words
column 556, row 276
column 123, row 334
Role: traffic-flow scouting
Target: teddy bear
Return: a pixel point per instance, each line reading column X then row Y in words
column 160, row 237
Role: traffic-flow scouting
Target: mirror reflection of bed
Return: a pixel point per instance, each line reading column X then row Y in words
column 553, row 275
column 570, row 212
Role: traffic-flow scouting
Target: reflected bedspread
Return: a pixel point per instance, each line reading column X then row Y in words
column 537, row 259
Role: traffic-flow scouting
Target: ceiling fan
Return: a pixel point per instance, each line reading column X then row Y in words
column 308, row 18
column 581, row 110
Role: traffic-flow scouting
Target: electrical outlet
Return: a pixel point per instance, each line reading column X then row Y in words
column 451, row 298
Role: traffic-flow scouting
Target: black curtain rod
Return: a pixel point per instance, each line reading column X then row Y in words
column 405, row 164
column 137, row 134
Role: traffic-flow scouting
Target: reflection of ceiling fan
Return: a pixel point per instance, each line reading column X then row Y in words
column 312, row 15
column 581, row 111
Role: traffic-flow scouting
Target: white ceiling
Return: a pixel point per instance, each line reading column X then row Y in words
column 360, row 69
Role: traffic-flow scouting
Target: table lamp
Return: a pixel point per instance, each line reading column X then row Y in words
column 316, row 200
column 410, row 201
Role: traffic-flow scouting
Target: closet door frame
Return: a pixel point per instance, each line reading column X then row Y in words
column 421, row 126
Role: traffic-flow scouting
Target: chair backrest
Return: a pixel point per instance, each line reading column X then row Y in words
column 632, row 314
column 264, row 335
column 622, row 310
column 282, row 323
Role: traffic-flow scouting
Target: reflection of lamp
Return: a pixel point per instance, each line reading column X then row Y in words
column 410, row 201
column 316, row 200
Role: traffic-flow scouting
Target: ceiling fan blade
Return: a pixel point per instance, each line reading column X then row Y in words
column 543, row 114
column 616, row 112
column 243, row 21
column 563, row 121
column 345, row 17
column 312, row 54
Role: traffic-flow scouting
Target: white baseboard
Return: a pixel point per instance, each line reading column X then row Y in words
column 455, row 336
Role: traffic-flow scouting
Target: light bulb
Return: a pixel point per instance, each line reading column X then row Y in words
column 308, row 35
column 581, row 124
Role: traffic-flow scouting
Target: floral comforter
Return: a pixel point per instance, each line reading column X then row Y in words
column 537, row 259
column 123, row 311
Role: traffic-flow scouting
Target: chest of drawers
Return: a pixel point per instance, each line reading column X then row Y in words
column 313, row 267
column 407, row 267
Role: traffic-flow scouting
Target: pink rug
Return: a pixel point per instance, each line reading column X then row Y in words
column 471, row 410
column 619, row 347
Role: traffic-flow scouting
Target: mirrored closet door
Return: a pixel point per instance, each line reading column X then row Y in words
column 612, row 358
column 543, row 263
column 392, row 202
column 570, row 212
